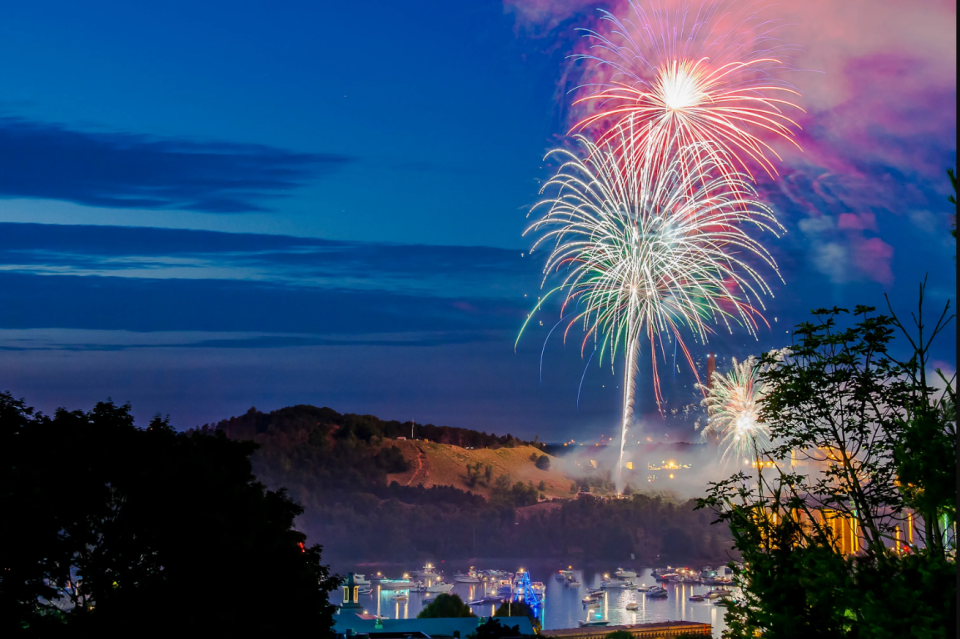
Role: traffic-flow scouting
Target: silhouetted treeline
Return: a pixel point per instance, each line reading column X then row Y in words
column 110, row 530
column 337, row 465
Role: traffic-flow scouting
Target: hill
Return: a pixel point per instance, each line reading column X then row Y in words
column 433, row 464
column 370, row 495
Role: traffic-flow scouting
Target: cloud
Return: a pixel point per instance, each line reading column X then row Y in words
column 127, row 170
column 878, row 79
column 178, row 253
column 149, row 280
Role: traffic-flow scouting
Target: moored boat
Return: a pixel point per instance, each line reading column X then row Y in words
column 625, row 574
column 633, row 605
column 657, row 592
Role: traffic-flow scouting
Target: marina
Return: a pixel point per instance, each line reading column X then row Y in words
column 574, row 598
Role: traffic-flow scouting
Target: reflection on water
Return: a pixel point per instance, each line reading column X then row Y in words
column 563, row 605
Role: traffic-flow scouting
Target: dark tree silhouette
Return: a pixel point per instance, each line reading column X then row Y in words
column 446, row 605
column 110, row 529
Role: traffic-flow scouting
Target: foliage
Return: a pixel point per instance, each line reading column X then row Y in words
column 107, row 527
column 574, row 488
column 862, row 440
column 476, row 476
column 543, row 462
column 514, row 609
column 619, row 634
column 492, row 629
column 349, row 501
column 518, row 609
column 446, row 605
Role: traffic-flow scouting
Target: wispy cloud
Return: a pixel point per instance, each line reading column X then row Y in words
column 128, row 170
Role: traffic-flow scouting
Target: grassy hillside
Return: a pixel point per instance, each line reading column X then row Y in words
column 433, row 464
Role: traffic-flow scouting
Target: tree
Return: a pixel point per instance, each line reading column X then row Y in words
column 446, row 605
column 542, row 486
column 109, row 529
column 574, row 488
column 543, row 462
column 619, row 634
column 863, row 443
column 492, row 629
column 518, row 609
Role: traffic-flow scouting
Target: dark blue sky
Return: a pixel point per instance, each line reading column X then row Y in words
column 212, row 206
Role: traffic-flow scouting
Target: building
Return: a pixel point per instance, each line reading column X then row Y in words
column 352, row 625
column 660, row 630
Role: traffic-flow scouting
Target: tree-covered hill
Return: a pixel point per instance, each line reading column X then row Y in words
column 342, row 469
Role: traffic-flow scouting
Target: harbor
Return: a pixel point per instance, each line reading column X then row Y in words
column 568, row 599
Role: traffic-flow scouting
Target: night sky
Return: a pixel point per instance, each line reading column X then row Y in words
column 212, row 206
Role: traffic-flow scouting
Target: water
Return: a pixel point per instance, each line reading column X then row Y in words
column 563, row 606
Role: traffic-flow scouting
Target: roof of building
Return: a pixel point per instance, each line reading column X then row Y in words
column 638, row 629
column 442, row 627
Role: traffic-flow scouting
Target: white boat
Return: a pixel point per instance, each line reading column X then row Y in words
column 400, row 597
column 470, row 577
column 644, row 588
column 563, row 575
column 625, row 574
column 538, row 586
column 427, row 572
column 633, row 605
column 696, row 598
column 396, row 584
column 657, row 592
column 440, row 587
column 718, row 592
column 573, row 583
column 616, row 583
column 594, row 623
column 360, row 580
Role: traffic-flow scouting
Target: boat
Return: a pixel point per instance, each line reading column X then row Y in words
column 396, row 584
column 668, row 576
column 563, row 575
column 625, row 574
column 633, row 605
column 360, row 580
column 585, row 624
column 717, row 592
column 538, row 586
column 696, row 598
column 573, row 583
column 485, row 601
column 427, row 572
column 657, row 592
column 439, row 587
column 470, row 577
column 616, row 583
column 400, row 597
column 597, row 591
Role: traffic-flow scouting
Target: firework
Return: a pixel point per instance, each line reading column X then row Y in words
column 733, row 406
column 705, row 76
column 644, row 249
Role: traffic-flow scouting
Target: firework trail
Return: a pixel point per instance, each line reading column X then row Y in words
column 706, row 76
column 646, row 246
column 733, row 405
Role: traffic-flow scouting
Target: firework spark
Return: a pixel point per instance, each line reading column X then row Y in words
column 646, row 248
column 705, row 76
column 733, row 405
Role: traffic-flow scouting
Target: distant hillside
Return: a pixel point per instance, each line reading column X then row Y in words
column 452, row 493
column 446, row 465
